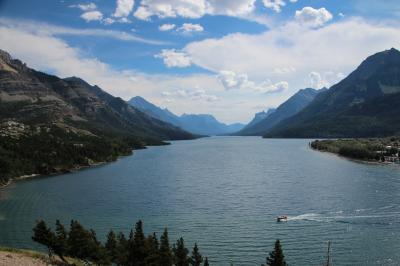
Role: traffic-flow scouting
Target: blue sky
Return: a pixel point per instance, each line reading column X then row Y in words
column 228, row 58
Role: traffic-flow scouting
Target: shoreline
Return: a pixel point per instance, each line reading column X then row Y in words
column 354, row 159
column 59, row 172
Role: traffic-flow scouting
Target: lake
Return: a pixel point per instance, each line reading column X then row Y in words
column 225, row 193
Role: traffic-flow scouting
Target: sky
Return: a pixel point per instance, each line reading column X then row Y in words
column 228, row 58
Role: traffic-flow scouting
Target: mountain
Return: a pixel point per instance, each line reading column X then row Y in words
column 259, row 117
column 201, row 124
column 287, row 109
column 364, row 104
column 205, row 124
column 154, row 111
column 48, row 123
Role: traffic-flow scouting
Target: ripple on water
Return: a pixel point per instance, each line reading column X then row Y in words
column 225, row 194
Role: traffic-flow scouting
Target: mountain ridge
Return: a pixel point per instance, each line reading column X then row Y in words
column 349, row 108
column 49, row 124
column 288, row 108
column 202, row 124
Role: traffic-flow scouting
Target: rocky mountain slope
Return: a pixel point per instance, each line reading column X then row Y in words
column 48, row 123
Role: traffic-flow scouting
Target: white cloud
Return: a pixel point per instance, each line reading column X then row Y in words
column 52, row 54
column 313, row 17
column 273, row 88
column 230, row 80
column 166, row 27
column 196, row 94
column 275, row 5
column 193, row 8
column 341, row 15
column 48, row 30
column 293, row 1
column 124, row 8
column 231, row 8
column 85, row 7
column 189, row 27
column 92, row 16
column 233, row 81
column 291, row 52
column 316, row 81
column 325, row 79
column 174, row 58
column 108, row 21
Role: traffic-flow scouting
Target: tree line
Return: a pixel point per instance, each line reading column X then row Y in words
column 134, row 250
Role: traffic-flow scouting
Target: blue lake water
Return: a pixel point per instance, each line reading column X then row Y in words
column 224, row 193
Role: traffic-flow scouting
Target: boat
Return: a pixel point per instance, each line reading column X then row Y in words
column 282, row 218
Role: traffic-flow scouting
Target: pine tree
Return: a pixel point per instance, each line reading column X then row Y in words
column 181, row 253
column 196, row 258
column 276, row 257
column 61, row 244
column 165, row 250
column 122, row 250
column 206, row 262
column 152, row 250
column 137, row 253
column 112, row 246
column 43, row 235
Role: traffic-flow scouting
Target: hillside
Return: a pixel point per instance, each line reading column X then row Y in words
column 201, row 124
column 287, row 109
column 364, row 104
column 49, row 124
column 154, row 111
column 258, row 117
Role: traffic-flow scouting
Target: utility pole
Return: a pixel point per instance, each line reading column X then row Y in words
column 328, row 256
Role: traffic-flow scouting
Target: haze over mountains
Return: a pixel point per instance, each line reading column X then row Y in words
column 202, row 124
column 265, row 121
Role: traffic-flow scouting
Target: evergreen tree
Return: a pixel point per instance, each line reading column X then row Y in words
column 166, row 258
column 137, row 253
column 152, row 250
column 61, row 244
column 43, row 235
column 181, row 253
column 112, row 246
column 206, row 262
column 97, row 253
column 196, row 258
column 276, row 257
column 84, row 245
column 122, row 250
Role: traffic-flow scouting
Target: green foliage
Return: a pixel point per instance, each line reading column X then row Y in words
column 54, row 152
column 276, row 257
column 166, row 257
column 137, row 252
column 112, row 246
column 60, row 244
column 373, row 149
column 43, row 235
column 181, row 253
column 196, row 259
column 82, row 244
column 206, row 262
column 152, row 250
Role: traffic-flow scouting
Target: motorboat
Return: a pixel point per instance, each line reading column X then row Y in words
column 282, row 218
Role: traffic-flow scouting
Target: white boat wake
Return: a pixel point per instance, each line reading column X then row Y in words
column 315, row 217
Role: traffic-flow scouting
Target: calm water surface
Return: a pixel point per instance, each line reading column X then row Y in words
column 224, row 193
